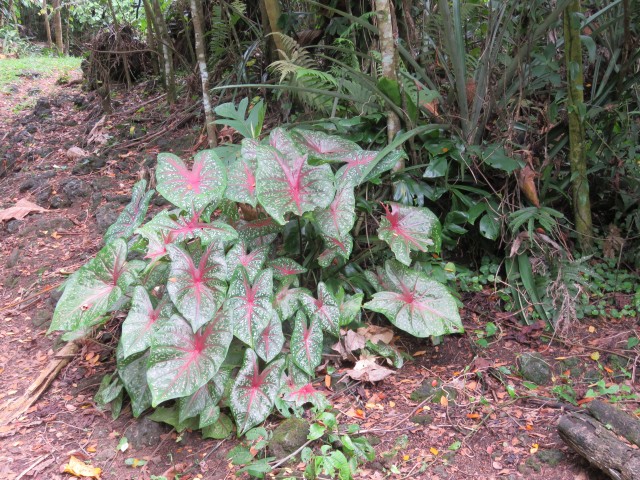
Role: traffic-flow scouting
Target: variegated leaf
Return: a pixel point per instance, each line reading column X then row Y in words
column 327, row 148
column 242, row 175
column 133, row 214
column 284, row 267
column 269, row 342
column 252, row 261
column 306, row 344
column 323, row 309
column 134, row 378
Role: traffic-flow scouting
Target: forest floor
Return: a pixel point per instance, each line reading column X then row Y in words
column 456, row 411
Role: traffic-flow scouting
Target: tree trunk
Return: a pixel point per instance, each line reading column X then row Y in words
column 152, row 32
column 619, row 421
column 196, row 15
column 123, row 56
column 272, row 9
column 576, row 111
column 57, row 26
column 167, row 52
column 47, row 27
column 67, row 41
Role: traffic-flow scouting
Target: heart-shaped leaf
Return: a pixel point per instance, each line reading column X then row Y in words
column 133, row 214
column 328, row 148
column 306, row 344
column 252, row 261
column 242, row 175
column 335, row 223
column 286, row 182
column 409, row 228
column 358, row 163
column 203, row 402
column 133, row 374
column 249, row 304
column 323, row 309
column 191, row 189
column 93, row 289
column 254, row 392
column 252, row 232
column 287, row 300
column 350, row 308
column 186, row 228
column 269, row 342
column 416, row 304
column 140, row 323
column 196, row 283
column 182, row 361
column 284, row 267
column 220, row 429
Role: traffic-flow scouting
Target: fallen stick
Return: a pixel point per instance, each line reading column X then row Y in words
column 12, row 410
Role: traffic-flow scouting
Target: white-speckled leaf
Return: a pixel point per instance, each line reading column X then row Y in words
column 269, row 342
column 133, row 214
column 201, row 403
column 193, row 188
column 252, row 232
column 196, row 283
column 350, row 308
column 324, row 147
column 306, row 344
column 254, row 392
column 249, row 304
column 334, row 223
column 287, row 300
column 134, row 378
column 284, row 267
column 252, row 261
column 141, row 321
column 409, row 228
column 416, row 304
column 93, row 289
column 182, row 361
column 287, row 183
column 357, row 164
column 241, row 176
column 323, row 309
column 189, row 227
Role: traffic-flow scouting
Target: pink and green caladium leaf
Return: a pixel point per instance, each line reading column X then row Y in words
column 181, row 228
column 252, row 261
column 300, row 395
column 258, row 232
column 287, row 183
column 254, row 392
column 268, row 343
column 196, row 283
column 182, row 361
column 409, row 228
column 306, row 344
column 94, row 289
column 350, row 308
column 358, row 165
column 203, row 403
column 193, row 188
column 284, row 267
column 334, row 223
column 241, row 176
column 323, row 147
column 142, row 320
column 248, row 304
column 133, row 373
column 323, row 309
column 288, row 298
column 133, row 214
column 416, row 304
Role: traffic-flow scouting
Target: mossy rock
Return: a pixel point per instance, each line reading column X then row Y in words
column 288, row 437
column 551, row 457
column 422, row 419
column 573, row 364
column 535, row 368
column 427, row 390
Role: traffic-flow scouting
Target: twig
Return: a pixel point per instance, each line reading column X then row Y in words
column 22, row 300
column 37, row 462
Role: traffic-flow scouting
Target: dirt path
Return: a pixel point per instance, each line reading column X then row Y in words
column 489, row 423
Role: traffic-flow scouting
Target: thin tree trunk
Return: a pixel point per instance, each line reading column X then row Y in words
column 67, row 38
column 167, row 52
column 273, row 12
column 576, row 109
column 57, row 26
column 47, row 27
column 152, row 33
column 196, row 15
column 389, row 62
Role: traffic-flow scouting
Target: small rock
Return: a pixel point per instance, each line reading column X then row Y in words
column 288, row 437
column 551, row 457
column 144, row 433
column 59, row 201
column 42, row 318
column 44, row 192
column 42, row 108
column 75, row 188
column 13, row 226
column 44, row 227
column 87, row 165
column 101, row 184
column 54, row 296
column 573, row 365
column 22, row 137
column 422, row 419
column 14, row 256
column 535, row 368
column 106, row 215
column 427, row 390
column 96, row 198
column 79, row 101
column 75, row 153
column 123, row 199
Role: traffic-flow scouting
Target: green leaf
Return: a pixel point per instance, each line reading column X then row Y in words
column 269, row 342
column 141, row 322
column 316, row 431
column 170, row 417
column 416, row 304
column 241, row 176
column 489, row 226
column 632, row 342
column 496, row 157
column 249, row 126
column 323, row 309
column 134, row 378
column 240, row 455
column 334, row 223
column 306, row 344
column 133, row 214
column 221, row 429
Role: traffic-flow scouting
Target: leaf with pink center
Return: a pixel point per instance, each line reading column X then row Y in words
column 182, row 361
column 253, row 232
column 287, row 299
column 416, row 304
column 248, row 304
column 356, row 171
column 335, row 222
column 409, row 228
column 328, row 148
column 241, row 175
column 133, row 214
column 300, row 395
column 284, row 267
column 252, row 261
column 190, row 227
column 306, row 344
column 142, row 320
column 194, row 188
column 196, row 283
column 268, row 343
column 287, row 183
column 203, row 403
column 323, row 309
column 133, row 373
column 254, row 392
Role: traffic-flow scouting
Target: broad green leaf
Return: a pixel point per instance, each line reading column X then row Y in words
column 252, row 261
column 268, row 343
column 202, row 403
column 254, row 392
column 416, row 304
column 409, row 228
column 328, row 148
column 323, row 309
column 219, row 430
column 350, row 308
column 306, row 344
column 356, row 171
column 489, row 226
column 133, row 214
column 93, row 289
column 170, row 416
column 287, row 183
column 134, row 377
column 182, row 361
column 197, row 282
column 249, row 126
column 249, row 304
column 141, row 322
column 193, row 189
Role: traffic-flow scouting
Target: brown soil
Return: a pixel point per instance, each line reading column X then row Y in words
column 491, row 425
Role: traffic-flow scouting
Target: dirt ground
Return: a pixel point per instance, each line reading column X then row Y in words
column 490, row 423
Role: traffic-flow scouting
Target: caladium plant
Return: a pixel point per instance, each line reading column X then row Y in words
column 248, row 274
